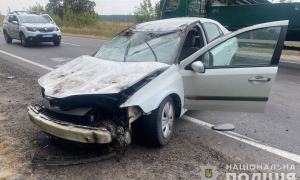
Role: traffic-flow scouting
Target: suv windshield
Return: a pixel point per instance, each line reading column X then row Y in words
column 141, row 47
column 32, row 19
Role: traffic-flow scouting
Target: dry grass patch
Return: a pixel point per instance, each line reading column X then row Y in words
column 1, row 21
column 104, row 30
column 10, row 160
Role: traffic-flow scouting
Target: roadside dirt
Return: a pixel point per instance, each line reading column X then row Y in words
column 19, row 138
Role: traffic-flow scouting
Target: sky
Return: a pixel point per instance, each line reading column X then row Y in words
column 104, row 7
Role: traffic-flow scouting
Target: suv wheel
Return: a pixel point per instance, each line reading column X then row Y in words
column 7, row 38
column 159, row 125
column 24, row 42
column 57, row 42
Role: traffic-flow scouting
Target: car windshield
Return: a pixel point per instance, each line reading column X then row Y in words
column 48, row 19
column 141, row 47
column 32, row 19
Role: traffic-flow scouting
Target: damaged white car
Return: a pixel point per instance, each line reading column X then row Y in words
column 155, row 72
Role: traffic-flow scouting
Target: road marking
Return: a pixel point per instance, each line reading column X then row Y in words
column 26, row 60
column 70, row 44
column 247, row 140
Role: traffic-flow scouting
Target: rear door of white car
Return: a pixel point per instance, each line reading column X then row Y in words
column 240, row 79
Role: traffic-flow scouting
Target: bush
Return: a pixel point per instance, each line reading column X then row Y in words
column 80, row 20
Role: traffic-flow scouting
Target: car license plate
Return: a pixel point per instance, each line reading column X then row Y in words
column 48, row 35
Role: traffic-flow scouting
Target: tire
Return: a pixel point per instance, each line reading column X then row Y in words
column 153, row 124
column 6, row 37
column 24, row 42
column 56, row 43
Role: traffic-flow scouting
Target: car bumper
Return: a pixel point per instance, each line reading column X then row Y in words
column 69, row 131
column 40, row 38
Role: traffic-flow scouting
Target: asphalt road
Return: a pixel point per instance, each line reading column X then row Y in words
column 277, row 128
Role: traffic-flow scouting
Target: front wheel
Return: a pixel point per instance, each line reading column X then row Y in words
column 7, row 38
column 159, row 125
column 57, row 42
column 24, row 42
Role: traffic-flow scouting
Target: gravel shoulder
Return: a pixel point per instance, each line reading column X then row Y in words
column 19, row 138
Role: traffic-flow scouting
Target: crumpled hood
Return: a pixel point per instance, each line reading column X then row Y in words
column 90, row 75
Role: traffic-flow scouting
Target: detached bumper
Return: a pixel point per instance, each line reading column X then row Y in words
column 40, row 38
column 69, row 131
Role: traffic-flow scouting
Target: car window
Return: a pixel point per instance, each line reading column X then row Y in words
column 6, row 18
column 15, row 18
column 47, row 18
column 212, row 31
column 253, row 48
column 142, row 47
column 10, row 19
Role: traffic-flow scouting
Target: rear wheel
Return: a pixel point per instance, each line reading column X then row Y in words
column 159, row 125
column 7, row 38
column 24, row 42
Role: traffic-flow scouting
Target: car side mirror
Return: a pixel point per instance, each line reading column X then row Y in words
column 198, row 66
column 15, row 22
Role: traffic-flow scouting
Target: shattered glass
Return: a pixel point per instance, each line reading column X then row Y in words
column 142, row 47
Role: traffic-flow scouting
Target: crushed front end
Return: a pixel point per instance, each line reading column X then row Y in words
column 86, row 119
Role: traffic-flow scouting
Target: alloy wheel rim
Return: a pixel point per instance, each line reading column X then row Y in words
column 167, row 120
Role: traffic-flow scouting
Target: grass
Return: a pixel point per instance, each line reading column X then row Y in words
column 1, row 21
column 103, row 30
column 10, row 160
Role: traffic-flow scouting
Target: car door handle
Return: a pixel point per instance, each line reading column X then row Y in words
column 228, row 49
column 260, row 79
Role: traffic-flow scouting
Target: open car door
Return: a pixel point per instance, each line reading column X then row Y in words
column 239, row 70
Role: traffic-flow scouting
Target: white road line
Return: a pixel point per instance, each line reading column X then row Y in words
column 26, row 60
column 70, row 44
column 244, row 139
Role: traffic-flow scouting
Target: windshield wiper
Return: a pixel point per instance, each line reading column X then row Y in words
column 152, row 51
column 126, row 53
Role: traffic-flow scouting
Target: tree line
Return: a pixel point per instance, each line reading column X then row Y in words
column 79, row 13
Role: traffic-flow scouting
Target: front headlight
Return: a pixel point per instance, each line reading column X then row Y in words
column 56, row 29
column 32, row 29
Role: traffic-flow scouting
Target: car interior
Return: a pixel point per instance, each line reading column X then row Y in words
column 193, row 42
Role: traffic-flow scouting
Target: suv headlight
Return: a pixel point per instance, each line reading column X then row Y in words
column 32, row 29
column 56, row 29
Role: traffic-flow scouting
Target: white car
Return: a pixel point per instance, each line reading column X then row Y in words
column 29, row 28
column 154, row 72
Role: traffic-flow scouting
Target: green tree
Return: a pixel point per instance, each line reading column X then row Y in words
column 144, row 12
column 55, row 7
column 79, row 6
column 37, row 7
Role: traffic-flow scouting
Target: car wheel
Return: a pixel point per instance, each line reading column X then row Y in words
column 24, row 42
column 159, row 125
column 56, row 43
column 7, row 38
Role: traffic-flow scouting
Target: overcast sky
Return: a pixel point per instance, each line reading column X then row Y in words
column 106, row 7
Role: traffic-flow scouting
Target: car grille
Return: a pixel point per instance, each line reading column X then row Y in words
column 79, row 120
column 45, row 29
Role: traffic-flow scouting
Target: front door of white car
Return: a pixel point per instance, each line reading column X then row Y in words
column 240, row 69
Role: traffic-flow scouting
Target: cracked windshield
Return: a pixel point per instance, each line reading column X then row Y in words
column 141, row 47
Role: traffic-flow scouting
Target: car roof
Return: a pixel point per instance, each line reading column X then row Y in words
column 171, row 24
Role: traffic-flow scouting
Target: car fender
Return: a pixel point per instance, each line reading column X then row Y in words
column 23, row 30
column 149, row 97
